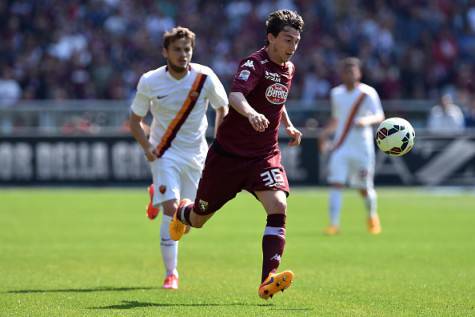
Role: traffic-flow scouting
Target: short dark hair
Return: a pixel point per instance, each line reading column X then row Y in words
column 176, row 33
column 278, row 20
column 350, row 61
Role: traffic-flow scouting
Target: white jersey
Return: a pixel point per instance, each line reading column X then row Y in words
column 342, row 102
column 164, row 96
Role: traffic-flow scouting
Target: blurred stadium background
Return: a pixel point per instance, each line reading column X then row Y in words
column 68, row 71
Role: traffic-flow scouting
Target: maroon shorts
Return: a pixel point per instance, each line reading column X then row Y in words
column 226, row 174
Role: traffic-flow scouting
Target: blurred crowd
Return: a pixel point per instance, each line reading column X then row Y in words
column 97, row 49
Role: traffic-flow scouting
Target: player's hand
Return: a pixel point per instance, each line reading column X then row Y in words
column 360, row 122
column 258, row 121
column 151, row 154
column 295, row 134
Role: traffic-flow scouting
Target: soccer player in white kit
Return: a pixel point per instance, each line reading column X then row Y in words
column 356, row 107
column 177, row 95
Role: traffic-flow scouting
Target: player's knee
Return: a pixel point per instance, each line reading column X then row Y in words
column 279, row 206
column 170, row 209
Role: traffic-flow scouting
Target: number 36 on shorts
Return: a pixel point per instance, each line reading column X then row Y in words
column 272, row 177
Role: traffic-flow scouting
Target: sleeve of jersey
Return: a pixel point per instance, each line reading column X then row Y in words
column 332, row 105
column 375, row 103
column 247, row 76
column 141, row 103
column 216, row 92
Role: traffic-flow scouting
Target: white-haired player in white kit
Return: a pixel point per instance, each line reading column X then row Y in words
column 356, row 107
column 177, row 95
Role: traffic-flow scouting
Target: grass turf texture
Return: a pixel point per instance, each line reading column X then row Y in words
column 76, row 252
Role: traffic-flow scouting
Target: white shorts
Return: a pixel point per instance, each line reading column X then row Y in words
column 353, row 168
column 172, row 180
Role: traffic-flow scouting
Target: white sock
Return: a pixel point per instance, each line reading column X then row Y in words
column 371, row 202
column 168, row 246
column 335, row 206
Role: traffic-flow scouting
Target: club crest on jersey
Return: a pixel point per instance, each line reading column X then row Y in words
column 277, row 93
column 203, row 205
column 244, row 74
column 162, row 189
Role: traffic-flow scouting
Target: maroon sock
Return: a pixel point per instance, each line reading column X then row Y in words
column 273, row 243
column 183, row 214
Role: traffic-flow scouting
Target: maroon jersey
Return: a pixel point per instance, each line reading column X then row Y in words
column 266, row 86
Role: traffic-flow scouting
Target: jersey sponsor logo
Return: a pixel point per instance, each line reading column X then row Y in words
column 272, row 76
column 244, row 74
column 162, row 189
column 277, row 93
column 264, row 61
column 249, row 64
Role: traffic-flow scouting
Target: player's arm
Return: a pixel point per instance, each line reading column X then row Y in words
column 218, row 99
column 294, row 133
column 328, row 130
column 239, row 103
column 139, row 108
column 245, row 80
column 135, row 123
column 375, row 115
column 368, row 120
column 221, row 112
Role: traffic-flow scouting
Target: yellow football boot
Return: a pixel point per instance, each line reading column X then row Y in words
column 331, row 230
column 178, row 228
column 274, row 283
column 374, row 226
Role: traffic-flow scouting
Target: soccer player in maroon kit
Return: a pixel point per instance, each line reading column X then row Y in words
column 246, row 154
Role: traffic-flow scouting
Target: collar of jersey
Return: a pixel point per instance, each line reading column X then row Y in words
column 283, row 67
column 178, row 80
column 354, row 89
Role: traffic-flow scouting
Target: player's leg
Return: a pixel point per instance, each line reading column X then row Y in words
column 335, row 198
column 168, row 246
column 166, row 176
column 364, row 181
column 220, row 182
column 370, row 197
column 273, row 243
column 337, row 175
column 186, row 215
column 189, row 185
column 268, row 182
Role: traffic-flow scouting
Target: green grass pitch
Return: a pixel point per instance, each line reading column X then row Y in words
column 92, row 252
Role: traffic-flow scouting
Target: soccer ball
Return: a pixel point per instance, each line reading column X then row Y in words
column 395, row 136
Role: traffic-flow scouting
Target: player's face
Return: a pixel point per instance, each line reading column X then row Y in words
column 284, row 45
column 350, row 74
column 178, row 54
